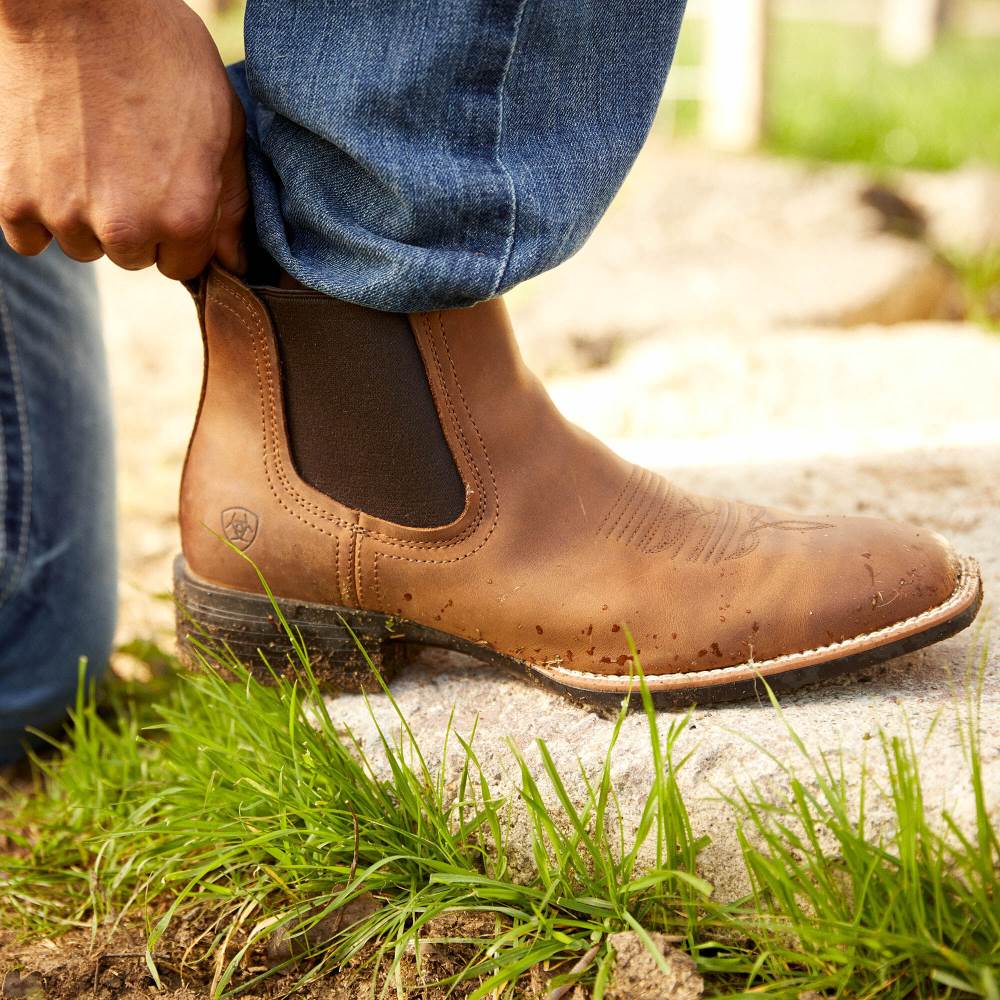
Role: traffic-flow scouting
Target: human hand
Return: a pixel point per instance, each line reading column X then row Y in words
column 121, row 135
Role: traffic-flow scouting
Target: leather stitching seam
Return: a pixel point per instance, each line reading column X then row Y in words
column 280, row 472
column 654, row 529
column 489, row 468
column 618, row 499
column 634, row 482
column 636, row 506
column 266, row 427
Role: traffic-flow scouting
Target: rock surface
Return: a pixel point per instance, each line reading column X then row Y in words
column 638, row 976
column 700, row 243
column 962, row 207
column 693, row 281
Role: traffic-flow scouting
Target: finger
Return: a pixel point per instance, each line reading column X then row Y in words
column 79, row 243
column 131, row 256
column 128, row 243
column 187, row 238
column 184, row 260
column 28, row 238
column 229, row 246
column 234, row 198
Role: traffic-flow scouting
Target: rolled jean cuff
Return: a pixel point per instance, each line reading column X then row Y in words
column 409, row 155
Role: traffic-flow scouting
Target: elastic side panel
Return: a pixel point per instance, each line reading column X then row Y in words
column 362, row 423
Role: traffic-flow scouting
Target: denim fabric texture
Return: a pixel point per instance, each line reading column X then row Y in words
column 420, row 154
column 58, row 590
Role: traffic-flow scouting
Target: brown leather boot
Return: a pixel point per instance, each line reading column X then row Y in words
column 553, row 551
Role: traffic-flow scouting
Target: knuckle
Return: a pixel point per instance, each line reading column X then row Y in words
column 187, row 224
column 83, row 256
column 121, row 233
column 68, row 219
column 30, row 243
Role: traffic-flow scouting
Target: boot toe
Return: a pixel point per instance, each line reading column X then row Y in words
column 823, row 588
column 887, row 573
column 859, row 581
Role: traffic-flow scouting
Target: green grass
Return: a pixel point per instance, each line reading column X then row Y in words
column 245, row 807
column 836, row 98
column 833, row 96
column 979, row 275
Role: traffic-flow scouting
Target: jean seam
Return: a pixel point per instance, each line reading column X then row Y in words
column 10, row 343
column 512, row 190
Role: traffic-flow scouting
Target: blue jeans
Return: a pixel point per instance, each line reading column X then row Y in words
column 57, row 497
column 404, row 155
column 422, row 154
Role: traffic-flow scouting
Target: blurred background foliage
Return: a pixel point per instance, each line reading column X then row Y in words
column 832, row 93
column 892, row 85
column 834, row 96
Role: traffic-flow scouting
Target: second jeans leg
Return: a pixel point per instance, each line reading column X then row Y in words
column 57, row 496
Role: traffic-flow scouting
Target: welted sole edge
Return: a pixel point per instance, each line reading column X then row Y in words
column 209, row 616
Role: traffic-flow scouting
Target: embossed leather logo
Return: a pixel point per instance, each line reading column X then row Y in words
column 239, row 526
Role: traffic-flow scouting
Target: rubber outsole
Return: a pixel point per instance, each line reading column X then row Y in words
column 210, row 616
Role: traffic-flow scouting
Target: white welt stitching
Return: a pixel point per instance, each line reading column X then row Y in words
column 968, row 582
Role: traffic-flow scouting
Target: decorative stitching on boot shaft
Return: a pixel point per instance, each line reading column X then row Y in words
column 650, row 515
column 273, row 458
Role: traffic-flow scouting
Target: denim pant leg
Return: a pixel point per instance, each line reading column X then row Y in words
column 57, row 497
column 422, row 154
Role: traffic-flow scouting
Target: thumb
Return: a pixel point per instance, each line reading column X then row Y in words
column 234, row 198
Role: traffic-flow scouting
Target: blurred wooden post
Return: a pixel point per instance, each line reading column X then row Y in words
column 909, row 28
column 203, row 8
column 206, row 9
column 735, row 65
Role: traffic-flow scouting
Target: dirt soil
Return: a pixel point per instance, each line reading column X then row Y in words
column 111, row 965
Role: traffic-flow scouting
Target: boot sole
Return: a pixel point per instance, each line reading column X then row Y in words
column 210, row 616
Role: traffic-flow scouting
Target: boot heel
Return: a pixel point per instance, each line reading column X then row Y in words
column 211, row 618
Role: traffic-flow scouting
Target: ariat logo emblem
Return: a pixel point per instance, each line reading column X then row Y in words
column 239, row 526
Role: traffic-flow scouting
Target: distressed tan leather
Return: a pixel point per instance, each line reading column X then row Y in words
column 562, row 545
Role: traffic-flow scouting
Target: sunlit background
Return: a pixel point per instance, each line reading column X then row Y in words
column 893, row 85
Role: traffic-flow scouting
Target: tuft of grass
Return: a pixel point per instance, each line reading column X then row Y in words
column 914, row 912
column 979, row 275
column 245, row 808
column 246, row 805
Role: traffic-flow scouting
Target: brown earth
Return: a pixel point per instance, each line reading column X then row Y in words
column 111, row 965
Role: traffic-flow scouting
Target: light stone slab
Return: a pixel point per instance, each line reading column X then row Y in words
column 732, row 746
